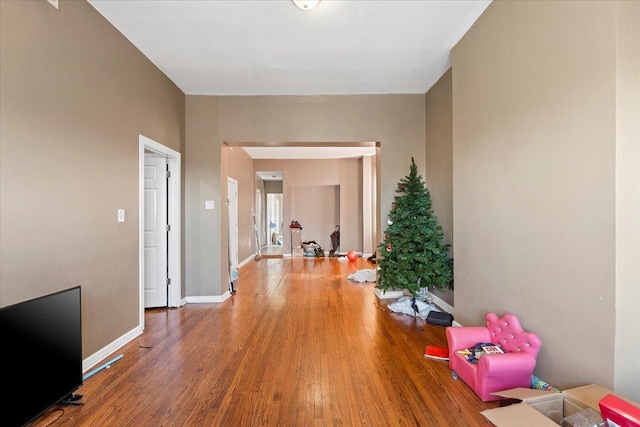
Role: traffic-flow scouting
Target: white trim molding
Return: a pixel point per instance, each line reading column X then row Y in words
column 208, row 299
column 104, row 352
column 446, row 307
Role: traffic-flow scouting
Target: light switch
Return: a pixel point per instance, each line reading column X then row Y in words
column 209, row 204
column 120, row 215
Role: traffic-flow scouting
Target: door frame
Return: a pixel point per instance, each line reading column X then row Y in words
column 173, row 217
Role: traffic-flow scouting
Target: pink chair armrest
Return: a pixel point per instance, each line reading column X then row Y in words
column 501, row 372
column 459, row 338
column 513, row 364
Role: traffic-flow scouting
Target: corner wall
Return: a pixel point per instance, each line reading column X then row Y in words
column 203, row 228
column 534, row 157
column 627, row 371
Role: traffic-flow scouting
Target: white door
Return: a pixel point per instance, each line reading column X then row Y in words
column 155, row 232
column 232, row 194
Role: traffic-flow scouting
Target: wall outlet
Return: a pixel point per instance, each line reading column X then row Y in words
column 120, row 215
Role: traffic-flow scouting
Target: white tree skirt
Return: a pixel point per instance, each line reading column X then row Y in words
column 403, row 305
column 366, row 275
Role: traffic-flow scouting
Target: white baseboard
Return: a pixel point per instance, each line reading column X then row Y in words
column 443, row 305
column 246, row 260
column 208, row 299
column 446, row 307
column 104, row 352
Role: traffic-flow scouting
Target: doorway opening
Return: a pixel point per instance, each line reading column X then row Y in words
column 171, row 201
column 275, row 219
column 352, row 166
column 270, row 213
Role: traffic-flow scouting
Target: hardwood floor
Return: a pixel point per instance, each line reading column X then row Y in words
column 272, row 251
column 297, row 345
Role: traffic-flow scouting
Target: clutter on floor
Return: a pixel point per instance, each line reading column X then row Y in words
column 352, row 256
column 440, row 318
column 312, row 249
column 576, row 407
column 412, row 307
column 436, row 353
column 365, row 275
column 539, row 384
column 335, row 242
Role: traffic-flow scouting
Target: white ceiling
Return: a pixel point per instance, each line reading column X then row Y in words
column 270, row 176
column 271, row 47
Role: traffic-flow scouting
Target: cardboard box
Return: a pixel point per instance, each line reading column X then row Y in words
column 543, row 408
column 585, row 418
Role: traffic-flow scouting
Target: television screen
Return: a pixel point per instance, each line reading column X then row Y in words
column 42, row 348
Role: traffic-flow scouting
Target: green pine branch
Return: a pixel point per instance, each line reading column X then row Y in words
column 413, row 254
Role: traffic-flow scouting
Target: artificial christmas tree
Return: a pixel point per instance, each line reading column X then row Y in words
column 413, row 255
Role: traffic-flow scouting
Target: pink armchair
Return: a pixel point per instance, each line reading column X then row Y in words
column 494, row 372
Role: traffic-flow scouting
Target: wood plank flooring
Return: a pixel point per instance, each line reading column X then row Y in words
column 299, row 344
column 272, row 251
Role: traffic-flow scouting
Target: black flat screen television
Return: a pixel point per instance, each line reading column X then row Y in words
column 42, row 353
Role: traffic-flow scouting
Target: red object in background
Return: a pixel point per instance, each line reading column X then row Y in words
column 618, row 412
column 438, row 353
column 352, row 256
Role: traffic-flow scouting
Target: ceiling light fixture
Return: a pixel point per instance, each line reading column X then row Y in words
column 306, row 4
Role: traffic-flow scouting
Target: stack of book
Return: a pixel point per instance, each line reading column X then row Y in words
column 436, row 353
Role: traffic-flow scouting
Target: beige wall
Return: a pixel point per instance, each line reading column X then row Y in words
column 351, row 207
column 75, row 96
column 439, row 163
column 273, row 186
column 204, row 229
column 396, row 121
column 369, row 206
column 534, row 182
column 317, row 208
column 627, row 372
